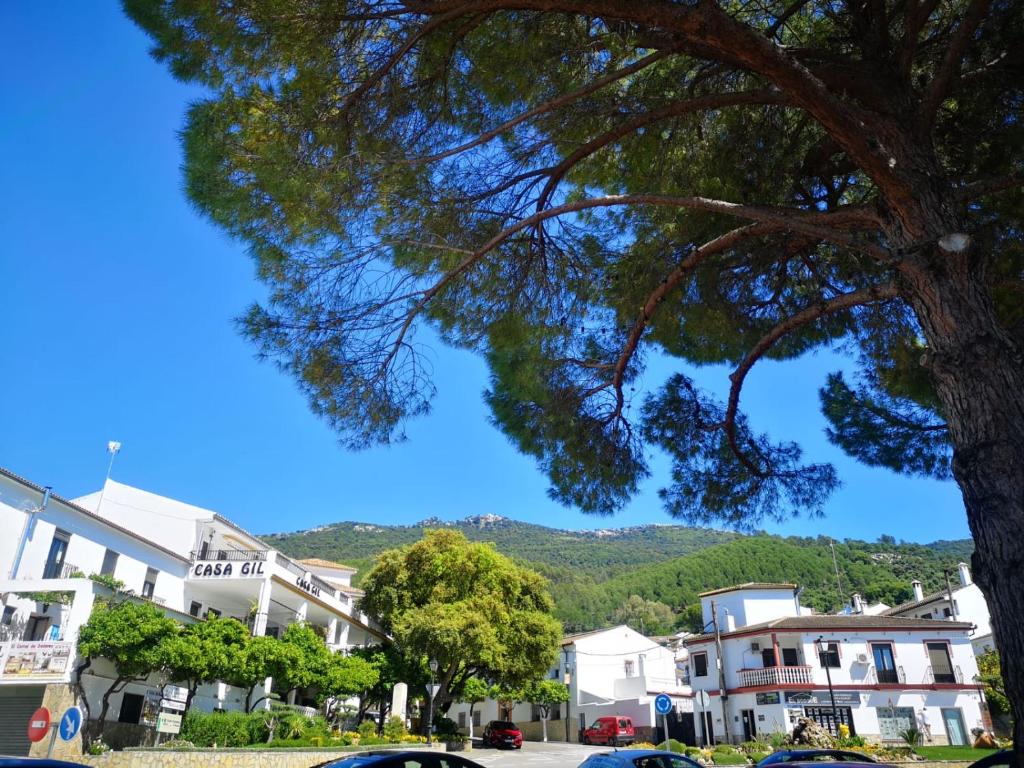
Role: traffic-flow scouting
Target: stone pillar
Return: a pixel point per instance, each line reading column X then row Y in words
column 259, row 624
column 399, row 700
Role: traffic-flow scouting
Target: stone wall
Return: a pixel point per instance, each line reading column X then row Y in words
column 218, row 758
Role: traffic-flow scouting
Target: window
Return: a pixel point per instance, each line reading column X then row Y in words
column 885, row 664
column 462, row 719
column 830, row 656
column 109, row 563
column 476, row 718
column 212, row 613
column 768, row 657
column 628, row 664
column 8, row 616
column 131, row 708
column 149, row 585
column 204, row 550
column 942, row 667
column 55, row 558
column 195, row 608
column 700, row 665
column 926, row 615
column 790, row 657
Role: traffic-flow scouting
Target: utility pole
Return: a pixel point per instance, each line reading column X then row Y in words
column 822, row 650
column 835, row 565
column 723, row 695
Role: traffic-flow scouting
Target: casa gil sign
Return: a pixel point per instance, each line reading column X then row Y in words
column 227, row 570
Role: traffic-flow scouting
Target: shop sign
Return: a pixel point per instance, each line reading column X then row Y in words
column 227, row 570
column 822, row 698
column 166, row 723
column 310, row 587
column 768, row 698
column 37, row 659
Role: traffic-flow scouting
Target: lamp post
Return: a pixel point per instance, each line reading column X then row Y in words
column 820, row 643
column 430, row 703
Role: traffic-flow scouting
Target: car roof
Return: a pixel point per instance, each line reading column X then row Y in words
column 374, row 756
column 794, row 755
column 630, row 754
column 35, row 762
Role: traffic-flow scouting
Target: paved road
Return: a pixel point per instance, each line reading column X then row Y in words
column 534, row 754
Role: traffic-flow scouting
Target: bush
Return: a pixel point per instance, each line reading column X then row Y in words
column 778, row 739
column 729, row 758
column 724, row 749
column 851, row 741
column 446, row 729
column 394, row 729
column 643, row 745
column 367, row 730
column 98, row 748
column 671, row 745
column 693, row 752
column 757, row 757
column 912, row 736
column 225, row 729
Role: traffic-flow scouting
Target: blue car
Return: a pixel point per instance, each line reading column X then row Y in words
column 815, row 756
column 35, row 762
column 400, row 758
column 639, row 758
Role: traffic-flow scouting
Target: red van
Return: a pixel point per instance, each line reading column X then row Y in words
column 612, row 730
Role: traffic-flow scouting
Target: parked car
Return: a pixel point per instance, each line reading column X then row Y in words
column 35, row 762
column 639, row 758
column 612, row 730
column 1002, row 759
column 502, row 733
column 400, row 758
column 815, row 756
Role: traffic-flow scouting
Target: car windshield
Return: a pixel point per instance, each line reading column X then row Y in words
column 504, row 725
column 661, row 761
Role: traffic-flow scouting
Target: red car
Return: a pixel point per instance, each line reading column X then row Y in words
column 613, row 730
column 503, row 733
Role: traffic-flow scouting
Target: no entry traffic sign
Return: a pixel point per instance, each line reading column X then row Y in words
column 39, row 724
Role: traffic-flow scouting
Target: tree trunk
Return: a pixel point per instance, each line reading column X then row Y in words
column 101, row 720
column 192, row 689
column 978, row 372
column 544, row 725
column 472, row 704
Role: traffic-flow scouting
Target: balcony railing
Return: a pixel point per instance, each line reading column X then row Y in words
column 887, row 676
column 54, row 571
column 229, row 555
column 777, row 676
column 943, row 676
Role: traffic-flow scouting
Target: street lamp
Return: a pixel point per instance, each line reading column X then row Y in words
column 430, row 702
column 820, row 643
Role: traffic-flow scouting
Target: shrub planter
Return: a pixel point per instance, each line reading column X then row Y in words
column 457, row 746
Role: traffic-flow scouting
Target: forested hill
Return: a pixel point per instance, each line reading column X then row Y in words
column 649, row 576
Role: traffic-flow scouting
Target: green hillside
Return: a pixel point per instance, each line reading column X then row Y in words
column 594, row 573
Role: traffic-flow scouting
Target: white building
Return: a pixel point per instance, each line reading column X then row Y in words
column 778, row 662
column 190, row 561
column 963, row 602
column 615, row 671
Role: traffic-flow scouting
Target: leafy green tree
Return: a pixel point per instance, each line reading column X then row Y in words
column 646, row 616
column 133, row 637
column 545, row 695
column 343, row 677
column 205, row 652
column 569, row 187
column 262, row 657
column 991, row 676
column 474, row 692
column 476, row 612
column 391, row 668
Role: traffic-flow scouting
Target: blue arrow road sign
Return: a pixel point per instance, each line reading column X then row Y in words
column 70, row 723
column 662, row 704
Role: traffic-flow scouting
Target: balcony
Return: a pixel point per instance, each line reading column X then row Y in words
column 802, row 675
column 229, row 555
column 947, row 676
column 887, row 676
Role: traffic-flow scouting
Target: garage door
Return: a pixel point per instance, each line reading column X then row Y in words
column 17, row 703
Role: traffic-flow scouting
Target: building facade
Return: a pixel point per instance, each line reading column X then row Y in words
column 962, row 602
column 191, row 562
column 771, row 662
column 615, row 671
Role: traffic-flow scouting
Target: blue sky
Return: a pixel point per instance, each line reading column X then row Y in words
column 116, row 315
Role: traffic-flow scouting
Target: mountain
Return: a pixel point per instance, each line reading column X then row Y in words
column 594, row 573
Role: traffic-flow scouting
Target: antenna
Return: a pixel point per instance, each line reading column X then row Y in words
column 113, row 448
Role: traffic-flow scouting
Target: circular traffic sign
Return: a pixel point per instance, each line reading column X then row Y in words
column 662, row 704
column 703, row 699
column 70, row 723
column 39, row 724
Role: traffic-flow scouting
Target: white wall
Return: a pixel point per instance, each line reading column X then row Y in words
column 749, row 606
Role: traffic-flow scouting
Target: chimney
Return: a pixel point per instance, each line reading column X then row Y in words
column 730, row 623
column 918, row 591
column 965, row 573
column 858, row 604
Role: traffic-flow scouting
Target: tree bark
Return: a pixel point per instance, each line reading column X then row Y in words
column 978, row 372
column 101, row 720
